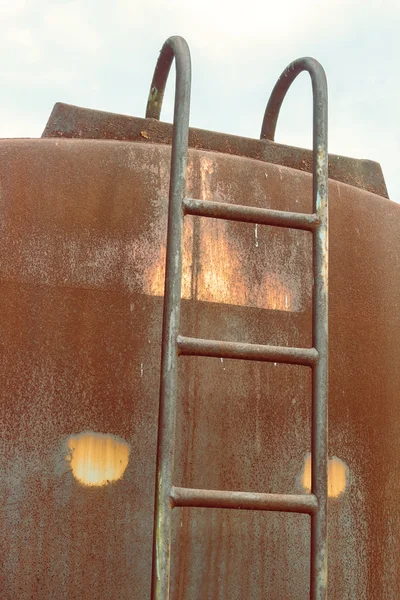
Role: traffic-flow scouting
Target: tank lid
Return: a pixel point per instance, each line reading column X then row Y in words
column 70, row 121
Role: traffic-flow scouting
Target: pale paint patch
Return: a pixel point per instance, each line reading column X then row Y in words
column 97, row 459
column 219, row 279
column 337, row 477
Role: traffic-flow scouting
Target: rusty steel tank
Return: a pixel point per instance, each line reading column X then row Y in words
column 84, row 215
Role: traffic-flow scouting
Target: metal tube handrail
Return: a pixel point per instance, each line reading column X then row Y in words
column 319, row 476
column 174, row 47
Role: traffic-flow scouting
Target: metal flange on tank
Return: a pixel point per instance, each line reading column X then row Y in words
column 135, row 252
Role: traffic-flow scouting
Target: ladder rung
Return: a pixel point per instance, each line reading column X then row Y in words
column 296, row 503
column 250, row 214
column 295, row 356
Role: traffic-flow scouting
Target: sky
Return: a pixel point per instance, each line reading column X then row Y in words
column 101, row 54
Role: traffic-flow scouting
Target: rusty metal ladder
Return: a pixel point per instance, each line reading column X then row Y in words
column 167, row 496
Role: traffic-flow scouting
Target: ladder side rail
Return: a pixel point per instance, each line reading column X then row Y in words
column 319, row 444
column 175, row 47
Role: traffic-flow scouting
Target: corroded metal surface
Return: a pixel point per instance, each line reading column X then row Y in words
column 82, row 251
column 69, row 121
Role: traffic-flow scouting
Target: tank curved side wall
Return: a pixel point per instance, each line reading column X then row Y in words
column 82, row 243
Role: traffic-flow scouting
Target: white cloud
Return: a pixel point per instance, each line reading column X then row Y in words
column 11, row 8
column 67, row 25
column 102, row 54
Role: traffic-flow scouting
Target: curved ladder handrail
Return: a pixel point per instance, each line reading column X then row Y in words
column 318, row 575
column 175, row 47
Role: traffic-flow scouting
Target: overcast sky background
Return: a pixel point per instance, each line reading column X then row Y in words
column 101, row 54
